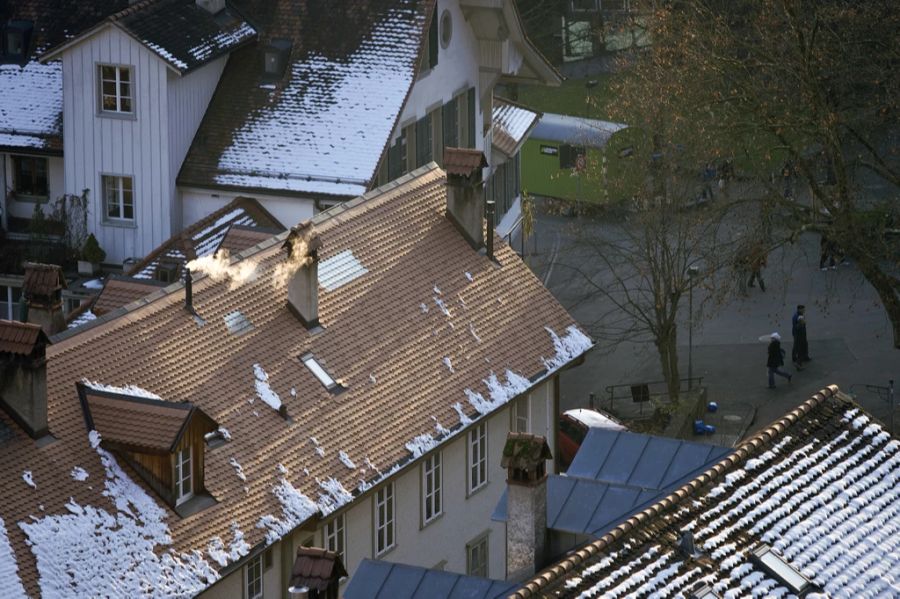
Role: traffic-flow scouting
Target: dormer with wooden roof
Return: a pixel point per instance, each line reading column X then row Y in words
column 163, row 441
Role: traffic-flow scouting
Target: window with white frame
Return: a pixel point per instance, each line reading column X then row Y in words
column 118, row 198
column 335, row 536
column 184, row 488
column 384, row 519
column 477, row 457
column 253, row 573
column 9, row 302
column 521, row 415
column 116, row 90
column 477, row 557
column 432, row 500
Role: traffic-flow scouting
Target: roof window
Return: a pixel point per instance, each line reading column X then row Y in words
column 14, row 40
column 326, row 379
column 275, row 58
column 237, row 323
column 777, row 567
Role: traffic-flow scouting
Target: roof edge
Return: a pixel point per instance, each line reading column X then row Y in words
column 552, row 574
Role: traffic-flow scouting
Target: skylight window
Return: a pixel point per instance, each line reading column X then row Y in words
column 237, row 323
column 705, row 592
column 780, row 569
column 318, row 371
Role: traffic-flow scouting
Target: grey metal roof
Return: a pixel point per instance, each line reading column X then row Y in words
column 385, row 580
column 574, row 130
column 616, row 474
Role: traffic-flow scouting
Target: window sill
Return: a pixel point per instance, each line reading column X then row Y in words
column 23, row 197
column 121, row 116
column 122, row 224
column 425, row 525
column 478, row 490
column 385, row 552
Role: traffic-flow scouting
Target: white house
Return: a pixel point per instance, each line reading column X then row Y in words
column 167, row 110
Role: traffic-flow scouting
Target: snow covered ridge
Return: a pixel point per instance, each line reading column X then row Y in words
column 132, row 390
column 92, row 552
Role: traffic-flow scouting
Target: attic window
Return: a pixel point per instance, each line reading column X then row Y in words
column 14, row 39
column 705, row 592
column 276, row 58
column 167, row 271
column 780, row 569
column 319, row 372
column 237, row 323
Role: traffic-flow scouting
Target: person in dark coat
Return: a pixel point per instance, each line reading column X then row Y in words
column 797, row 357
column 802, row 346
column 776, row 360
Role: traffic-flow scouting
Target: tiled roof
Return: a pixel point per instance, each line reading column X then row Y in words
column 316, row 568
column 20, row 338
column 820, row 486
column 31, row 94
column 120, row 291
column 320, row 128
column 138, row 423
column 463, row 161
column 183, row 34
column 42, row 279
column 207, row 235
column 511, row 124
column 385, row 580
column 427, row 300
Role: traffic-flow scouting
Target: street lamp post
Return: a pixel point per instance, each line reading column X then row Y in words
column 692, row 274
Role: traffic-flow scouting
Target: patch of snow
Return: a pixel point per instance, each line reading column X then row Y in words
column 219, row 432
column 10, row 584
column 237, row 469
column 166, row 55
column 296, row 508
column 470, row 277
column 568, row 347
column 463, row 418
column 423, row 308
column 93, row 284
column 132, row 390
column 345, row 460
column 236, row 550
column 442, row 306
column 293, row 392
column 94, row 438
column 499, row 392
column 29, row 480
column 442, row 431
column 282, row 470
column 448, row 363
column 264, row 390
column 436, row 289
column 372, row 378
column 92, row 552
column 80, row 474
column 474, row 334
column 595, row 419
column 334, row 497
column 82, row 319
column 421, row 444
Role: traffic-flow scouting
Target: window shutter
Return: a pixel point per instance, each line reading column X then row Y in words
column 433, row 41
column 471, row 115
column 423, row 141
column 397, row 157
column 451, row 125
column 566, row 156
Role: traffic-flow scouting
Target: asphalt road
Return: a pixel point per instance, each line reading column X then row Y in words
column 849, row 334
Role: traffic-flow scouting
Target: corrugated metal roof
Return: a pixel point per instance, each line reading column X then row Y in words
column 574, row 130
column 383, row 580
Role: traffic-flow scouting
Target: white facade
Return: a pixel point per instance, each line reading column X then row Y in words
column 441, row 543
column 146, row 145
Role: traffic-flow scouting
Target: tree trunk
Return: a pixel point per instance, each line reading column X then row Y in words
column 667, row 346
column 887, row 289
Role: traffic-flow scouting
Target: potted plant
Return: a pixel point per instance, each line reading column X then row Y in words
column 91, row 257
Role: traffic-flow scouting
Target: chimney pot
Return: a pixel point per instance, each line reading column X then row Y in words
column 524, row 457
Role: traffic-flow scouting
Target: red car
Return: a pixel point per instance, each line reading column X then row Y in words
column 573, row 427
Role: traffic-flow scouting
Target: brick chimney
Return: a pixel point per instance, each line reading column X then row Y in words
column 465, row 197
column 302, row 270
column 43, row 296
column 23, row 375
column 524, row 457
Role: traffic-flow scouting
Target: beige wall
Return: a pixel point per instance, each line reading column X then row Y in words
column 443, row 541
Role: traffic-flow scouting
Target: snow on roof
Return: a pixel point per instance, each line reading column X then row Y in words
column 296, row 507
column 575, row 130
column 298, row 141
column 345, row 460
column 510, row 124
column 263, row 390
column 10, row 585
column 236, row 550
column 90, row 551
column 132, row 390
column 31, row 105
column 595, row 419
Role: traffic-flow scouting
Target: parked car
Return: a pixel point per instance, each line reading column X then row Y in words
column 573, row 428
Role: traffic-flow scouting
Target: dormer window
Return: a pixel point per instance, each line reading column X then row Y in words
column 275, row 58
column 14, row 40
column 167, row 271
column 162, row 441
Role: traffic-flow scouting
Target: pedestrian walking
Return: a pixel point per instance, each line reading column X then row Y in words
column 798, row 331
column 757, row 263
column 776, row 360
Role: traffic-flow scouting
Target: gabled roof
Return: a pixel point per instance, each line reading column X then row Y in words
column 319, row 129
column 21, row 338
column 819, row 486
column 139, row 422
column 181, row 33
column 207, row 235
column 31, row 94
column 425, row 301
column 511, row 123
column 375, row 579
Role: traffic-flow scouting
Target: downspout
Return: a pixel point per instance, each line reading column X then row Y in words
column 3, row 192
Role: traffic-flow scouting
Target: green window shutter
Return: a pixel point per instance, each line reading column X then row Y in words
column 471, row 115
column 423, row 141
column 433, row 41
column 451, row 125
column 397, row 157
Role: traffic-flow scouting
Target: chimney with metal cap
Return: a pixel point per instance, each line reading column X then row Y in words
column 23, row 375
column 302, row 269
column 465, row 198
